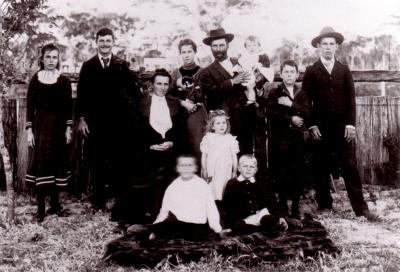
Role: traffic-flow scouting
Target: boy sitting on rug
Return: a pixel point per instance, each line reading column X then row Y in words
column 188, row 205
column 247, row 205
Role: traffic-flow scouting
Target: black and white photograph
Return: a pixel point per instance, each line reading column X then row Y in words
column 199, row 135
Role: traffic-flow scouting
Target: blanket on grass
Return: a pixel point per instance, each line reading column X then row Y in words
column 298, row 241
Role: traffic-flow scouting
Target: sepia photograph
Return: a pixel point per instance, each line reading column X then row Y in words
column 199, row 135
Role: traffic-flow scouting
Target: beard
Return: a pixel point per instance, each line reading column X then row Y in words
column 220, row 55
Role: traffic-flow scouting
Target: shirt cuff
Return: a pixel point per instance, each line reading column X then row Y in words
column 28, row 125
column 351, row 127
column 69, row 123
column 312, row 127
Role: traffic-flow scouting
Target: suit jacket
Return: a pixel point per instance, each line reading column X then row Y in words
column 106, row 97
column 149, row 136
column 215, row 83
column 242, row 199
column 280, row 116
column 332, row 97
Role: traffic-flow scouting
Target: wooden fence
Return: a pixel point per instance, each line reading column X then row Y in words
column 378, row 133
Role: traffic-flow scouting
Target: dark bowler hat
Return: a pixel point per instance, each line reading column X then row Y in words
column 327, row 32
column 216, row 34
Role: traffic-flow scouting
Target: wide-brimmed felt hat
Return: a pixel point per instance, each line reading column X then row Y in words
column 216, row 34
column 327, row 32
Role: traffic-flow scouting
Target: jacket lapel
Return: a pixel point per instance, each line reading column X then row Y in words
column 145, row 106
column 217, row 67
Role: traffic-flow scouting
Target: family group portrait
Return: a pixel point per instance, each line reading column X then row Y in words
column 210, row 135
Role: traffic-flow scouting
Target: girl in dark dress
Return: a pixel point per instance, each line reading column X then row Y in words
column 48, row 125
column 185, row 88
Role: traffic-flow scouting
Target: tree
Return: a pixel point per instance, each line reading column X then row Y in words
column 16, row 18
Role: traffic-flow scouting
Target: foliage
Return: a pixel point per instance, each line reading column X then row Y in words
column 20, row 36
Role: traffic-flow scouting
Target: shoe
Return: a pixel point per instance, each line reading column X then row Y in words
column 137, row 228
column 58, row 211
column 40, row 217
column 53, row 210
column 152, row 236
column 371, row 217
column 324, row 210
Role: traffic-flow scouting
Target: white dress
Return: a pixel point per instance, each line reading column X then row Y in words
column 219, row 149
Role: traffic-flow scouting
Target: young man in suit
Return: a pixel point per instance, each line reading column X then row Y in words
column 221, row 83
column 107, row 92
column 330, row 88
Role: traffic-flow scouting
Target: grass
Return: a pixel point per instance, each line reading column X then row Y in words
column 76, row 243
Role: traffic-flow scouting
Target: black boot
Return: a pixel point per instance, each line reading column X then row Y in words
column 41, row 207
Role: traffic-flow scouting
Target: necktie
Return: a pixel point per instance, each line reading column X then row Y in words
column 105, row 62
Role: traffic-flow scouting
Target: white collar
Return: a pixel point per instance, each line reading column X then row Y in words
column 158, row 98
column 192, row 179
column 324, row 60
column 241, row 178
column 104, row 57
column 48, row 77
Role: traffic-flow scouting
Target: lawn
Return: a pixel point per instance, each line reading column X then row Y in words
column 76, row 243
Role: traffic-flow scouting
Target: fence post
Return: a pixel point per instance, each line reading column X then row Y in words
column 383, row 88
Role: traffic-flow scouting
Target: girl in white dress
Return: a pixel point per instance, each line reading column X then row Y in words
column 219, row 153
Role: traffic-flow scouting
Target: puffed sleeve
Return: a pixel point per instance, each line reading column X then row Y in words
column 205, row 144
column 234, row 144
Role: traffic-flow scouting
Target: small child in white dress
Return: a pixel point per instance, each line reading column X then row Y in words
column 219, row 153
column 254, row 60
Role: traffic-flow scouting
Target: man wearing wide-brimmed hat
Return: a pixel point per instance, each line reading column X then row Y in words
column 221, row 82
column 329, row 85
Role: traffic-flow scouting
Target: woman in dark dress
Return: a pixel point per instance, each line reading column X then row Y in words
column 48, row 126
column 161, row 136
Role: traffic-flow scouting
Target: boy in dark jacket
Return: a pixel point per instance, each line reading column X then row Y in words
column 248, row 205
column 287, row 110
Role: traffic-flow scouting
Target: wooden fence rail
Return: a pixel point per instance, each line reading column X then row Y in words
column 378, row 132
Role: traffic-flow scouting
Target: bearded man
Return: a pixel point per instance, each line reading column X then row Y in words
column 223, row 82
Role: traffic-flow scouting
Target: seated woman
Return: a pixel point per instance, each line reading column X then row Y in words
column 160, row 132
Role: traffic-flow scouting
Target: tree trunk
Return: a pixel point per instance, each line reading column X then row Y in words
column 10, row 217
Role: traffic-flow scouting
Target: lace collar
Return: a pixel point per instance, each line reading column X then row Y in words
column 48, row 77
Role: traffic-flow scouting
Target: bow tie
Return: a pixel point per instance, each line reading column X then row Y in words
column 105, row 62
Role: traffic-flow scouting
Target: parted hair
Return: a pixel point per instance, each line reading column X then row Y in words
column 211, row 119
column 47, row 48
column 187, row 42
column 250, row 157
column 289, row 63
column 104, row 31
column 160, row 72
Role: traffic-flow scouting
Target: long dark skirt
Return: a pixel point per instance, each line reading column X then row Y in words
column 141, row 199
column 48, row 161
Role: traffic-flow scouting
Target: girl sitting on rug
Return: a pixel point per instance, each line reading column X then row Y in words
column 219, row 153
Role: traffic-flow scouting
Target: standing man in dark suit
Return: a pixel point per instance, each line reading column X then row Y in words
column 107, row 92
column 221, row 82
column 329, row 85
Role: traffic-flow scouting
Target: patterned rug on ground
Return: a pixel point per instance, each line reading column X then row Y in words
column 299, row 241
